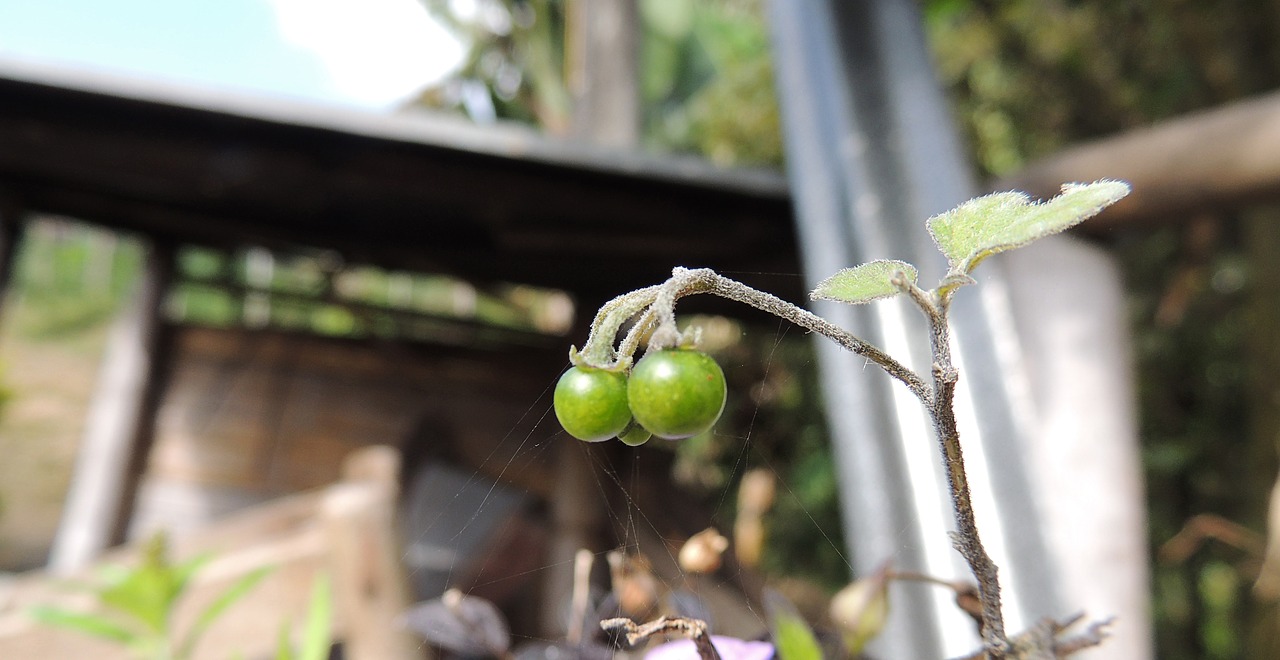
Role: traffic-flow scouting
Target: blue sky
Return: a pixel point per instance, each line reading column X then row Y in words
column 362, row 53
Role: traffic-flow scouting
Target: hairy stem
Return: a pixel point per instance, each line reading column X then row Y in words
column 703, row 280
column 967, row 541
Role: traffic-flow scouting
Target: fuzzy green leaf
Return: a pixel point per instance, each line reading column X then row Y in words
column 994, row 223
column 864, row 283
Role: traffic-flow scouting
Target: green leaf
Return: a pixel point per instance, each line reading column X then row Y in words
column 145, row 594
column 860, row 284
column 284, row 648
column 994, row 223
column 148, row 592
column 89, row 624
column 316, row 637
column 233, row 593
column 792, row 637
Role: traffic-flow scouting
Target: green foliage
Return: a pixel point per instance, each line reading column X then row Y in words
column 1187, row 302
column 316, row 634
column 865, row 283
column 71, row 278
column 139, row 603
column 705, row 78
column 973, row 231
column 1030, row 77
column 708, row 81
column 791, row 635
column 994, row 223
column 6, row 393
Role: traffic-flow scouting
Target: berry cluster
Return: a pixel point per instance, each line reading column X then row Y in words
column 671, row 393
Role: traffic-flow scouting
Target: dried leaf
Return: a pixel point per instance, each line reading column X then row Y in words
column 463, row 624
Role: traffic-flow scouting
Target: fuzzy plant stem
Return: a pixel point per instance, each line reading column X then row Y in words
column 966, row 539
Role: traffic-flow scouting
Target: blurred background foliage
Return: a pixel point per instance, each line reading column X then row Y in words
column 706, row 77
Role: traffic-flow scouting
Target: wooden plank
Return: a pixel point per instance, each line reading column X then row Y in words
column 120, row 426
column 369, row 585
column 1217, row 159
column 282, row 535
column 346, row 530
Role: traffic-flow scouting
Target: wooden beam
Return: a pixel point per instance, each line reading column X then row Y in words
column 1212, row 160
column 603, row 62
column 120, row 427
column 492, row 203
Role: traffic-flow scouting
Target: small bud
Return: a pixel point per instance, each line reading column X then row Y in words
column 860, row 610
column 748, row 540
column 757, row 491
column 701, row 553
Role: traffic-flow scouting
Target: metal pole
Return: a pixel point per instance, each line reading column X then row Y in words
column 871, row 153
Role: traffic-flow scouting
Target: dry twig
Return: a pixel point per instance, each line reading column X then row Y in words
column 626, row 634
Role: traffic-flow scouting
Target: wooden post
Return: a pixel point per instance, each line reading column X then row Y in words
column 121, row 424
column 603, row 53
column 369, row 584
column 10, row 234
column 602, row 60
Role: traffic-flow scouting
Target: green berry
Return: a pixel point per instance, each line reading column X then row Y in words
column 591, row 403
column 676, row 393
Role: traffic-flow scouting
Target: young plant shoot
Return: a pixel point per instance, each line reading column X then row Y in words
column 676, row 392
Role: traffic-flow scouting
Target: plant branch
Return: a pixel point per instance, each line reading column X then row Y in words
column 1050, row 639
column 655, row 306
column 684, row 282
column 630, row 635
column 966, row 539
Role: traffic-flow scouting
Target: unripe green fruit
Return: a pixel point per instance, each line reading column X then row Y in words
column 591, row 403
column 676, row 393
column 634, row 435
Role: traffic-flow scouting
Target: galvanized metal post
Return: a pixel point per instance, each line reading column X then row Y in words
column 871, row 153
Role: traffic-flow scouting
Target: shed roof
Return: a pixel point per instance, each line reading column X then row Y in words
column 412, row 191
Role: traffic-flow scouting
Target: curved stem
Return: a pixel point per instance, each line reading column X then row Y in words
column 684, row 282
column 598, row 351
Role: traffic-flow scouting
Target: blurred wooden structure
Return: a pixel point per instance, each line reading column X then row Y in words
column 345, row 531
column 184, row 167
column 192, row 423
